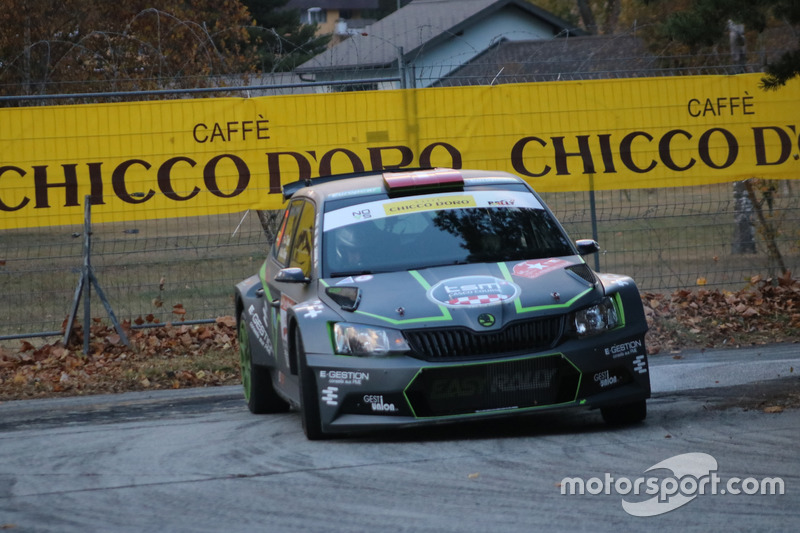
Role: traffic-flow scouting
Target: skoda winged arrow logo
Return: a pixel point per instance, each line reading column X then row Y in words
column 486, row 320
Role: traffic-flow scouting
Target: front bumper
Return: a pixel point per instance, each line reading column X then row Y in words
column 358, row 394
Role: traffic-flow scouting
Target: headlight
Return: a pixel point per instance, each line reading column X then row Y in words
column 367, row 341
column 596, row 319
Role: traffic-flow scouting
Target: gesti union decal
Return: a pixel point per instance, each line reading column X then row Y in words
column 145, row 160
column 473, row 291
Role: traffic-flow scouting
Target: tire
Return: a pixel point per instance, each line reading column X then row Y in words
column 309, row 397
column 622, row 415
column 256, row 380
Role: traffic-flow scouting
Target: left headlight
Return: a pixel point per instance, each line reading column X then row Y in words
column 596, row 319
column 367, row 341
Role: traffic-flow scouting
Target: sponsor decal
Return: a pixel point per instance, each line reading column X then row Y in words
column 529, row 380
column 286, row 303
column 356, row 192
column 457, row 388
column 442, row 389
column 344, row 377
column 473, row 291
column 610, row 280
column 534, row 268
column 640, row 365
column 311, row 309
column 362, row 214
column 260, row 330
column 357, row 279
column 605, row 379
column 502, row 203
column 378, row 405
column 330, row 395
column 429, row 204
column 624, row 349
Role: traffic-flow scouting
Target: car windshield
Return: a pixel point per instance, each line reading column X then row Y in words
column 437, row 237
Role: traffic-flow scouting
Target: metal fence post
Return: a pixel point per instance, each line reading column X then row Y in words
column 84, row 288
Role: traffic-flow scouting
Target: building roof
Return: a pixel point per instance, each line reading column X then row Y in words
column 422, row 23
column 573, row 58
column 333, row 4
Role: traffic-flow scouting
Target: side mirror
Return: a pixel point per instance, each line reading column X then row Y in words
column 292, row 275
column 587, row 246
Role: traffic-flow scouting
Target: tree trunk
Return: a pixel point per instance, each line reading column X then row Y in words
column 587, row 16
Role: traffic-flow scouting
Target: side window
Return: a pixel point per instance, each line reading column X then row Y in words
column 304, row 240
column 286, row 235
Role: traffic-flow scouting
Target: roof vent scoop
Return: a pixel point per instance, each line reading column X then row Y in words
column 422, row 181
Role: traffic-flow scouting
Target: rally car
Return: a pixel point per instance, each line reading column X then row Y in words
column 403, row 298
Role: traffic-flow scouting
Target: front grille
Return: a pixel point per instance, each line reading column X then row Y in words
column 457, row 390
column 464, row 343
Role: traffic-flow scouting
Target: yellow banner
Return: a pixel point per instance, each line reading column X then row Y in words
column 206, row 156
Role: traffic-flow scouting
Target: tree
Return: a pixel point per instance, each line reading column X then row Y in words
column 70, row 46
column 595, row 16
column 706, row 23
column 281, row 41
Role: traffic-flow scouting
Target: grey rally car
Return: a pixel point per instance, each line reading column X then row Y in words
column 403, row 298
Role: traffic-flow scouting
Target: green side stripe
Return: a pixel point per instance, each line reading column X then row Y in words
column 620, row 309
column 262, row 274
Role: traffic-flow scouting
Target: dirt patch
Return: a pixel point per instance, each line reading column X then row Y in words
column 773, row 396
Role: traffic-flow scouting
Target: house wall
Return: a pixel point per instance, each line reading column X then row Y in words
column 442, row 59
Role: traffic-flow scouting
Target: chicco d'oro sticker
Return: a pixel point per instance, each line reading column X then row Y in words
column 473, row 291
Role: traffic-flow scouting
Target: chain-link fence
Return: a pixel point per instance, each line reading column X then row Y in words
column 184, row 269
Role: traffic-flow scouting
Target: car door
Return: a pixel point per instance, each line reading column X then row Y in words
column 294, row 248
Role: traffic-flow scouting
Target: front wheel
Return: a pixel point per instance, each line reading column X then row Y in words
column 256, row 380
column 309, row 398
column 621, row 415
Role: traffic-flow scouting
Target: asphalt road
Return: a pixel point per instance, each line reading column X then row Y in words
column 196, row 460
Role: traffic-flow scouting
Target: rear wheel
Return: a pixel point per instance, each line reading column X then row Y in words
column 620, row 415
column 256, row 380
column 309, row 398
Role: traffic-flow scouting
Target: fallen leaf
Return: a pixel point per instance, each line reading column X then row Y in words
column 773, row 409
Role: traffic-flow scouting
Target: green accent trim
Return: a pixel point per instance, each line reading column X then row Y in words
column 422, row 281
column 566, row 304
column 445, row 316
column 518, row 304
column 509, row 410
column 617, row 299
column 245, row 359
column 323, row 283
column 262, row 275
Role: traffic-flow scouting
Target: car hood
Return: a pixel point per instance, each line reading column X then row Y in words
column 482, row 296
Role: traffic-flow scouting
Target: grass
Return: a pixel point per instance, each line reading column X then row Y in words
column 664, row 238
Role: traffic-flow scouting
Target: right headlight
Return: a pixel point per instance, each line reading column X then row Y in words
column 367, row 341
column 596, row 319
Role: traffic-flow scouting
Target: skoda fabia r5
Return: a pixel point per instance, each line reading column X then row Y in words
column 404, row 298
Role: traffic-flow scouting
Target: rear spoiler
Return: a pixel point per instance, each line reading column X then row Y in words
column 290, row 188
